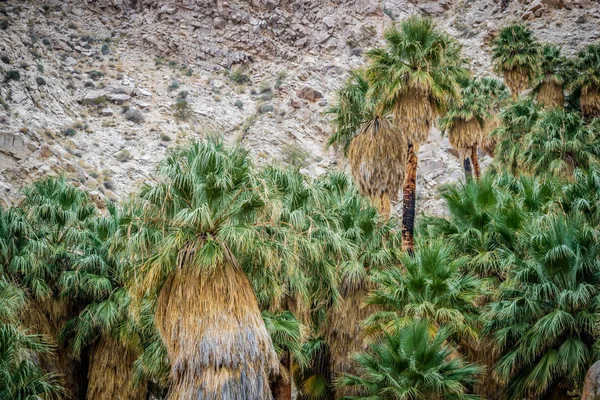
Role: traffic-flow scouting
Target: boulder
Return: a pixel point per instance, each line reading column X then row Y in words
column 591, row 386
column 119, row 98
column 107, row 112
column 309, row 93
column 94, row 97
column 432, row 8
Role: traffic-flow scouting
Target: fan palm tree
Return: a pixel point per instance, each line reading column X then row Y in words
column 411, row 364
column 515, row 55
column 465, row 122
column 60, row 214
column 375, row 148
column 550, row 87
column 287, row 334
column 544, row 322
column 517, row 121
column 415, row 77
column 582, row 195
column 559, row 143
column 21, row 377
column 209, row 211
column 97, row 280
column 431, row 285
column 495, row 94
column 587, row 65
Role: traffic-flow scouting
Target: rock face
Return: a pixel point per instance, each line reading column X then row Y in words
column 591, row 387
column 259, row 72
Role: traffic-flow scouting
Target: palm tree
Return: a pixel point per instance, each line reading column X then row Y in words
column 495, row 94
column 515, row 54
column 431, row 285
column 21, row 377
column 287, row 334
column 517, row 121
column 550, row 87
column 411, row 364
column 60, row 213
column 582, row 195
column 544, row 321
column 375, row 148
column 415, row 77
column 465, row 122
column 559, row 143
column 104, row 323
column 587, row 65
column 203, row 213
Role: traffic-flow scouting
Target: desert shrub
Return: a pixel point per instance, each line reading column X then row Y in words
column 238, row 76
column 123, row 155
column 134, row 115
column 296, row 155
column 69, row 131
column 12, row 75
column 183, row 94
column 40, row 81
column 4, row 24
column 5, row 59
column 174, row 85
column 266, row 108
column 182, row 110
column 105, row 49
column 89, row 84
column 239, row 104
column 95, row 75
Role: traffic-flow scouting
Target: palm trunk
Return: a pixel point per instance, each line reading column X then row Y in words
column 409, row 200
column 281, row 387
column 111, row 372
column 557, row 392
column 216, row 339
column 475, row 161
column 467, row 167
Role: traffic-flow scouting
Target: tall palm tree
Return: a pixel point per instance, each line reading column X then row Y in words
column 203, row 213
column 60, row 214
column 465, row 122
column 550, row 87
column 544, row 321
column 412, row 364
column 375, row 148
column 104, row 323
column 415, row 77
column 515, row 55
column 587, row 65
column 559, row 143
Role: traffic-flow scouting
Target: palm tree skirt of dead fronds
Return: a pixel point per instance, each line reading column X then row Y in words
column 377, row 159
column 551, row 94
column 215, row 336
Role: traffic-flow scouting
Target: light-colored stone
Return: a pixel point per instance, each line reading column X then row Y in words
column 94, row 97
column 119, row 98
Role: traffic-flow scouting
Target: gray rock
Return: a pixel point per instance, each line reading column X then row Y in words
column 107, row 112
column 219, row 23
column 119, row 98
column 432, row 8
column 94, row 97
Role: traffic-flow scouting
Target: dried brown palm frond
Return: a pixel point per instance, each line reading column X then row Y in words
column 377, row 158
column 414, row 114
column 464, row 135
column 551, row 94
column 488, row 142
column 111, row 372
column 345, row 336
column 590, row 102
column 221, row 349
column 517, row 81
column 482, row 351
column 47, row 317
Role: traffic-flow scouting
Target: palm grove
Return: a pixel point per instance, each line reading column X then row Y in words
column 221, row 280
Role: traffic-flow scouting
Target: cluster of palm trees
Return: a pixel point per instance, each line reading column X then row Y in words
column 217, row 279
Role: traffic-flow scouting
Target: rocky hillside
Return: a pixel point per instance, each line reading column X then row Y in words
column 100, row 89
